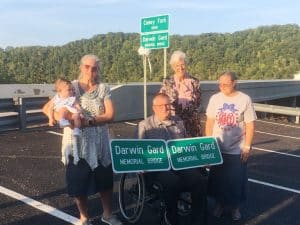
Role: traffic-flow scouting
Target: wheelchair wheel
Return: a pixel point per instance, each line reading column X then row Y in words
column 131, row 196
column 184, row 204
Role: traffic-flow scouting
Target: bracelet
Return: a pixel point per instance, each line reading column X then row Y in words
column 247, row 147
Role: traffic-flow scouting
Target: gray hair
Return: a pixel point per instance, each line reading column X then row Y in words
column 231, row 74
column 94, row 57
column 159, row 95
column 176, row 56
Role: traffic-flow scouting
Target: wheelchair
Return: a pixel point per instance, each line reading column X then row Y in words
column 135, row 193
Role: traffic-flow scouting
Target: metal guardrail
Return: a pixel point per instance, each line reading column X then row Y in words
column 8, row 114
column 290, row 111
column 6, row 104
column 20, row 105
column 30, row 112
column 21, row 113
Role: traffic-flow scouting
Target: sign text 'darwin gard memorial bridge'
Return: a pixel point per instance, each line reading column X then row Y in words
column 134, row 155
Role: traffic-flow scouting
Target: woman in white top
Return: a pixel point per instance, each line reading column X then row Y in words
column 230, row 118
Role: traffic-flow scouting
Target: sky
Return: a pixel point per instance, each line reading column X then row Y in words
column 58, row 22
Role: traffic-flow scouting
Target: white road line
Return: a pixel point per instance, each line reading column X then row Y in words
column 259, row 219
column 29, row 157
column 40, row 206
column 73, row 220
column 274, row 186
column 132, row 124
column 259, row 149
column 56, row 133
column 276, row 152
column 279, row 135
column 280, row 124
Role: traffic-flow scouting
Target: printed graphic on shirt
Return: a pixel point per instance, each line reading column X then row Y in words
column 227, row 116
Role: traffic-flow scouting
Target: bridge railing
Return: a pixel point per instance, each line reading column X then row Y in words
column 276, row 109
column 22, row 113
column 8, row 114
column 20, row 105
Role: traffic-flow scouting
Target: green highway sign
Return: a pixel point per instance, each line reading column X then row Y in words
column 155, row 40
column 155, row 32
column 134, row 155
column 155, row 23
column 194, row 152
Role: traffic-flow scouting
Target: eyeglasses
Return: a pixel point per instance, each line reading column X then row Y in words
column 163, row 105
column 225, row 85
column 92, row 68
column 180, row 66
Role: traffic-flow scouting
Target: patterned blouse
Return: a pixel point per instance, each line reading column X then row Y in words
column 185, row 99
column 93, row 145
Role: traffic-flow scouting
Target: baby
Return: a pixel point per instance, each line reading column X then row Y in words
column 64, row 108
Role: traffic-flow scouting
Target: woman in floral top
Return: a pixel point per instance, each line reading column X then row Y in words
column 184, row 92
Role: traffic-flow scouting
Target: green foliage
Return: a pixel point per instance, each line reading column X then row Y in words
column 267, row 52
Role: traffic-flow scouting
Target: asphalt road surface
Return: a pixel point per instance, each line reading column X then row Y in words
column 32, row 189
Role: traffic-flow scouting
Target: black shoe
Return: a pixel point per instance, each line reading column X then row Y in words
column 236, row 215
column 218, row 210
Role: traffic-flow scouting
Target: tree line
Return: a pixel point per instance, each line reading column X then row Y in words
column 266, row 52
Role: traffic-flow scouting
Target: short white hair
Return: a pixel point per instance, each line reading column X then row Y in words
column 94, row 57
column 176, row 56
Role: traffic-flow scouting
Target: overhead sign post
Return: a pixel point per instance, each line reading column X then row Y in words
column 154, row 35
column 194, row 152
column 134, row 155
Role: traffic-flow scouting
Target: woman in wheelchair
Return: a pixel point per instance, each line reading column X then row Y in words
column 164, row 126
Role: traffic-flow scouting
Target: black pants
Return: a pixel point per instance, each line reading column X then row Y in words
column 228, row 181
column 175, row 182
column 83, row 181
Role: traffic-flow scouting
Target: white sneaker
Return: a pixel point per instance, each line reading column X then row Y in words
column 167, row 221
column 113, row 220
column 64, row 123
column 77, row 132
